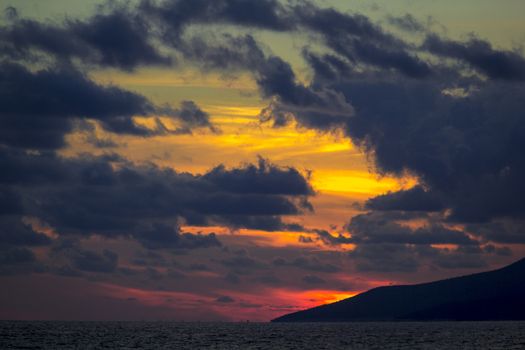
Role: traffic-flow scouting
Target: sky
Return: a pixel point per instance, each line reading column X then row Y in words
column 235, row 160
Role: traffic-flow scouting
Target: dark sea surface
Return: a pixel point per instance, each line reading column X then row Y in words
column 174, row 335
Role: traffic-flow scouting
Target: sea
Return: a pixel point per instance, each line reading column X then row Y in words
column 177, row 335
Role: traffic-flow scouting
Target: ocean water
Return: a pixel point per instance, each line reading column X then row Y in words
column 173, row 335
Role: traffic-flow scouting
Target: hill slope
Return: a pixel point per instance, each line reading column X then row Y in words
column 493, row 295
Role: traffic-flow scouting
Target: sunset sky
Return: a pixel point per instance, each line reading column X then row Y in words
column 205, row 160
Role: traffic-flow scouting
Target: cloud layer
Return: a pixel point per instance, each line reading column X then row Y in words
column 447, row 112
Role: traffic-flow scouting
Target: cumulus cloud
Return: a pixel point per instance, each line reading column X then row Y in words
column 462, row 149
column 413, row 199
column 480, row 55
column 374, row 228
column 390, row 97
column 164, row 236
column 42, row 107
column 118, row 38
column 112, row 197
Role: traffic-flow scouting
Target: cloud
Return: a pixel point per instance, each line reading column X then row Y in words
column 462, row 149
column 14, row 232
column 260, row 178
column 411, row 108
column 175, row 15
column 112, row 197
column 119, row 38
column 314, row 280
column 413, row 199
column 327, row 67
column 78, row 259
column 168, row 237
column 480, row 55
column 391, row 257
column 356, row 38
column 309, row 264
column 10, row 201
column 42, row 107
column 385, row 258
column 382, row 245
column 12, row 256
column 192, row 117
column 18, row 260
column 90, row 261
column 499, row 231
column 242, row 264
column 391, row 58
column 374, row 228
column 329, row 239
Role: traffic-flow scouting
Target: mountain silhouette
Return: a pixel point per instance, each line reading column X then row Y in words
column 493, row 295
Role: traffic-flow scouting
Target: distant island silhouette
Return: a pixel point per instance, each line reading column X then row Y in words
column 493, row 295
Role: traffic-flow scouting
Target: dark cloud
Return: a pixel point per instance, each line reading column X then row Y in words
column 317, row 107
column 90, row 261
column 449, row 260
column 119, row 38
column 41, row 107
column 100, row 142
column 309, row 264
column 14, row 256
column 274, row 76
column 385, row 258
column 501, row 251
column 80, row 259
column 327, row 67
column 356, row 38
column 407, row 258
column 263, row 178
column 413, row 199
column 169, row 237
column 18, row 260
column 175, row 15
column 480, row 55
column 374, row 228
column 232, row 278
column 461, row 137
column 305, row 239
column 335, row 25
column 384, row 242
column 151, row 258
column 243, row 264
column 222, row 52
column 14, row 232
column 327, row 238
column 314, row 280
column 314, row 107
column 391, row 58
column 501, row 231
column 270, row 280
column 110, row 196
column 199, row 267
column 464, row 149
column 382, row 228
column 191, row 117
column 10, row 202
